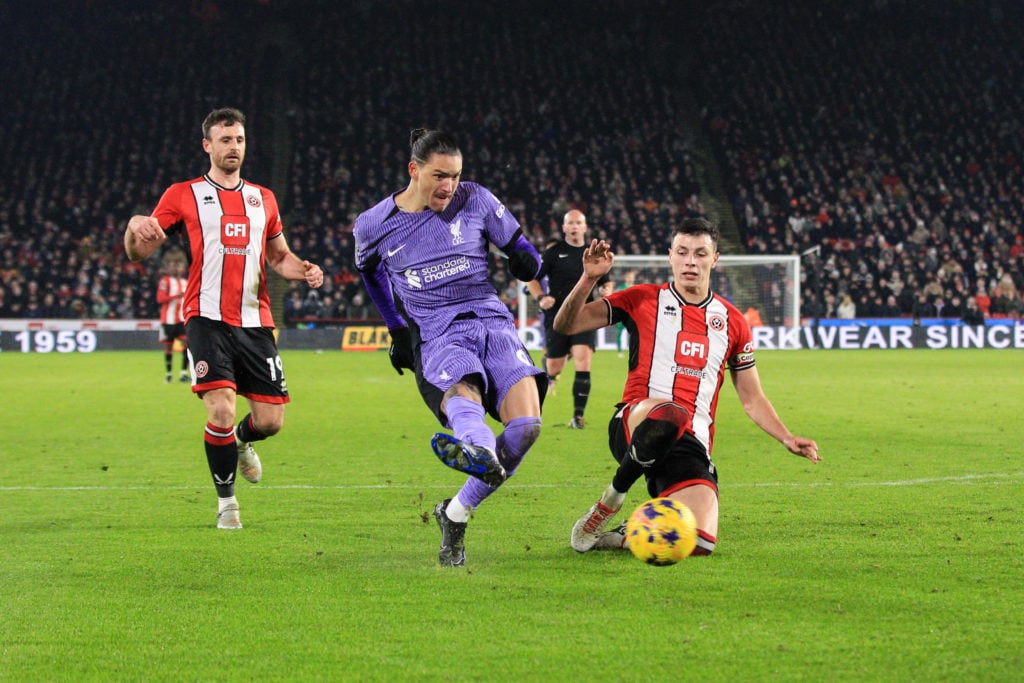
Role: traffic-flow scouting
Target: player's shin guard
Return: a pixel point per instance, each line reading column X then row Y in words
column 626, row 475
column 653, row 438
column 474, row 492
column 705, row 543
column 466, row 419
column 651, row 441
column 519, row 435
column 222, row 457
column 580, row 392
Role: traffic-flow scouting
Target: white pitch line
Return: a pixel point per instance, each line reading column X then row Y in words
column 1008, row 477
column 993, row 477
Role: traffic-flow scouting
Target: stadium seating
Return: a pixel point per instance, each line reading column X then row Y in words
column 894, row 152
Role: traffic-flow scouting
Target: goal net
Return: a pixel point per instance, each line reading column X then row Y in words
column 765, row 288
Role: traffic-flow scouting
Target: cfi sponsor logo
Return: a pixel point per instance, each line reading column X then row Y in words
column 689, row 372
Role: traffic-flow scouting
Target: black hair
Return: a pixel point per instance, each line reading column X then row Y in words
column 698, row 226
column 424, row 142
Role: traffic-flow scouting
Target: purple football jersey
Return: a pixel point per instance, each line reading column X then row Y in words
column 437, row 262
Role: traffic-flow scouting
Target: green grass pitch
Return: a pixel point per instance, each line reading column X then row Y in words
column 896, row 558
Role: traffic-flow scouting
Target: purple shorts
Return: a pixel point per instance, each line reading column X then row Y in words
column 488, row 348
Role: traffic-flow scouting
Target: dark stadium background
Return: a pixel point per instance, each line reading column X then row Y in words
column 883, row 139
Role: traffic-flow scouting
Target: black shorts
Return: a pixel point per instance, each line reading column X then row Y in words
column 687, row 462
column 558, row 345
column 241, row 358
column 168, row 333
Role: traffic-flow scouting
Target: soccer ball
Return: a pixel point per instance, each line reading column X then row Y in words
column 661, row 531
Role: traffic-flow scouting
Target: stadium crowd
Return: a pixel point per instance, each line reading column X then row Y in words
column 93, row 132
column 886, row 135
column 883, row 138
column 549, row 118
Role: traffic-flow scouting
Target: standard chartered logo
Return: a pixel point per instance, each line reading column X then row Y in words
column 413, row 278
column 416, row 278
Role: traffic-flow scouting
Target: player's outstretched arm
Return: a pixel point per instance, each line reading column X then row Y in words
column 762, row 412
column 576, row 315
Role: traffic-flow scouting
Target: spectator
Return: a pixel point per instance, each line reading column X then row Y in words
column 294, row 307
column 846, row 309
column 982, row 299
column 98, row 308
column 360, row 310
column 954, row 307
column 1000, row 305
column 922, row 308
column 312, row 307
column 891, row 308
column 972, row 315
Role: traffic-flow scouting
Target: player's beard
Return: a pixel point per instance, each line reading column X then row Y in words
column 228, row 165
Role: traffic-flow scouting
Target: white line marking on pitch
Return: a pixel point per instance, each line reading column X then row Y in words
column 1007, row 477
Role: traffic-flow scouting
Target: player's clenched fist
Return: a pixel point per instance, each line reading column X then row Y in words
column 314, row 276
column 146, row 228
column 143, row 236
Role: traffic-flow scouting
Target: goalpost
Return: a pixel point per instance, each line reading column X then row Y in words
column 765, row 288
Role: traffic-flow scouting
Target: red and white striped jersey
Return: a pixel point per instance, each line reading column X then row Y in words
column 225, row 232
column 680, row 351
column 170, row 291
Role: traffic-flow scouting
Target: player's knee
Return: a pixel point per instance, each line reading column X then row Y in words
column 268, row 425
column 271, row 429
column 655, row 436
column 519, row 435
column 221, row 414
column 672, row 413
